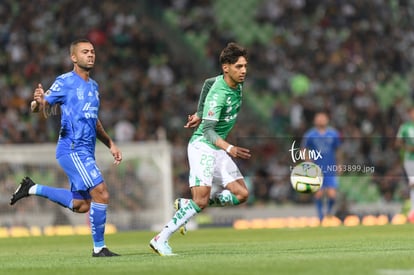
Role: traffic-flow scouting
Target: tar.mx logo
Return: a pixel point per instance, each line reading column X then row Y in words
column 304, row 153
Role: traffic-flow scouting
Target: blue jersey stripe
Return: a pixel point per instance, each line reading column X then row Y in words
column 82, row 170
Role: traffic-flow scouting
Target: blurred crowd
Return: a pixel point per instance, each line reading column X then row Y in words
column 353, row 58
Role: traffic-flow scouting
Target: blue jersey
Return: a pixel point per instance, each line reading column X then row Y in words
column 326, row 144
column 79, row 103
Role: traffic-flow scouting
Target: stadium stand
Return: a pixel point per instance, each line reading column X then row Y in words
column 353, row 58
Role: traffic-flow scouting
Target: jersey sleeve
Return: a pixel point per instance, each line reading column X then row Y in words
column 56, row 94
column 204, row 91
column 208, row 131
column 214, row 103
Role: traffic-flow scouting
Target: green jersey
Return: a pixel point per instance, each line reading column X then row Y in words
column 406, row 133
column 220, row 103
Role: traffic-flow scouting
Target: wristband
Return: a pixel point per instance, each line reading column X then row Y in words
column 229, row 148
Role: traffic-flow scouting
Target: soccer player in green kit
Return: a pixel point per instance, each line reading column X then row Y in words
column 405, row 141
column 214, row 178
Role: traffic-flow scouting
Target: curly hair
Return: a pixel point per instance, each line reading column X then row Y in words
column 231, row 53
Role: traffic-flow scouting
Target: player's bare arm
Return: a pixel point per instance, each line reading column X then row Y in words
column 105, row 139
column 211, row 135
column 232, row 150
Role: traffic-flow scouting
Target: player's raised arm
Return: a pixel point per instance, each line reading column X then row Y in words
column 192, row 121
column 38, row 102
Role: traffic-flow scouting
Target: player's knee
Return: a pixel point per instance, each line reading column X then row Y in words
column 81, row 207
column 331, row 193
column 84, row 208
column 101, row 198
column 243, row 195
column 105, row 197
column 319, row 194
column 100, row 194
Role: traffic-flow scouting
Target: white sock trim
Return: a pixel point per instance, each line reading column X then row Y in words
column 33, row 189
column 97, row 249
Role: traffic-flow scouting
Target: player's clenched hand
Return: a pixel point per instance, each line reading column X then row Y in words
column 193, row 121
column 116, row 153
column 37, row 98
column 240, row 152
column 38, row 93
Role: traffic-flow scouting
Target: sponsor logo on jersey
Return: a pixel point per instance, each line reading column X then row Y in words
column 90, row 111
column 230, row 117
column 87, row 107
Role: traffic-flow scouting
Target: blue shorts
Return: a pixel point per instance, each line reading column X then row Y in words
column 330, row 182
column 82, row 172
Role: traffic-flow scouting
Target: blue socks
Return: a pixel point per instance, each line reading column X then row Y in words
column 331, row 203
column 97, row 213
column 97, row 218
column 58, row 195
column 319, row 208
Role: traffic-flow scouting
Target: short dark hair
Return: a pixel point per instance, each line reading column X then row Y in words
column 322, row 111
column 76, row 42
column 231, row 53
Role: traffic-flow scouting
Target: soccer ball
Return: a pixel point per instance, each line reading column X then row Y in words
column 306, row 177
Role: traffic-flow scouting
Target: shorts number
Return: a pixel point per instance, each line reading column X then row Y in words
column 207, row 162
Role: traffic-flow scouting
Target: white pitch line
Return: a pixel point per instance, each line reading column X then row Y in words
column 396, row 271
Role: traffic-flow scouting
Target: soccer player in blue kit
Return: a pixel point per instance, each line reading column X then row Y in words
column 78, row 97
column 326, row 140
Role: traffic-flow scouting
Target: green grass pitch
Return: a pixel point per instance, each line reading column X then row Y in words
column 357, row 250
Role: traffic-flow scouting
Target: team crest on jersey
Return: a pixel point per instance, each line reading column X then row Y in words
column 79, row 93
column 210, row 113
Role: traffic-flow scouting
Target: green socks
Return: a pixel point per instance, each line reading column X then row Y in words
column 224, row 198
